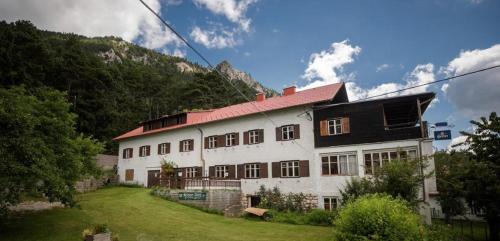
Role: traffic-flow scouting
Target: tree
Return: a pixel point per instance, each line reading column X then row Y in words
column 449, row 175
column 40, row 149
column 482, row 173
column 398, row 178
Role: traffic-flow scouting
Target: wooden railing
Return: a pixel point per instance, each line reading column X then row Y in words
column 201, row 183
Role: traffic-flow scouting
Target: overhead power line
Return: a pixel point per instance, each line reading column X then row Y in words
column 412, row 87
column 223, row 76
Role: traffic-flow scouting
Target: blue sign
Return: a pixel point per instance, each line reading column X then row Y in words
column 192, row 196
column 441, row 124
column 442, row 135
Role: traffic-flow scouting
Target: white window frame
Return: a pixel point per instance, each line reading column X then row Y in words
column 333, row 203
column 343, row 169
column 287, row 132
column 253, row 137
column 163, row 148
column 185, row 146
column 191, row 172
column 221, row 171
column 212, row 142
column 128, row 153
column 333, row 123
column 289, row 169
column 389, row 158
column 143, row 150
column 230, row 139
column 252, row 170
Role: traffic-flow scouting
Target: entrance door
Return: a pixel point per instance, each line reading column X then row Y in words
column 153, row 178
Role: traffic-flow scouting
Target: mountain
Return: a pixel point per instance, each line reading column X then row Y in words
column 113, row 84
column 234, row 74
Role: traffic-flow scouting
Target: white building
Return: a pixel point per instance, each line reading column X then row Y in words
column 310, row 141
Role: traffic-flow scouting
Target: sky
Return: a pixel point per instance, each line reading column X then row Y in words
column 373, row 46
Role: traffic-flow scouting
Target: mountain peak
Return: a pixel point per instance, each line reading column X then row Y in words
column 235, row 74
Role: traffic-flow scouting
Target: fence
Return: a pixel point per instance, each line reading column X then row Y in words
column 469, row 229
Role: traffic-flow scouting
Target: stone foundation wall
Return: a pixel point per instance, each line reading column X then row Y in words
column 310, row 201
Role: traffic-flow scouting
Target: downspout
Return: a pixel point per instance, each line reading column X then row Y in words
column 420, row 146
column 201, row 151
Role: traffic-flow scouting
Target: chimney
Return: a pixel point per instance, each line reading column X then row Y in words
column 260, row 96
column 289, row 90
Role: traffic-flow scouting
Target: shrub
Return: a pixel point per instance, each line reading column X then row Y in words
column 274, row 199
column 378, row 217
column 320, row 217
column 438, row 232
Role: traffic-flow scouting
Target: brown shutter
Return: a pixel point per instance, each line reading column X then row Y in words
column 129, row 175
column 199, row 172
column 168, row 147
column 245, row 138
column 345, row 125
column 158, row 151
column 296, row 130
column 261, row 135
column 206, row 143
column 191, row 145
column 263, row 170
column 131, row 152
column 323, row 128
column 123, row 153
column 232, row 172
column 304, row 168
column 236, row 138
column 180, row 146
column 184, row 172
column 241, row 171
column 221, row 141
column 278, row 133
column 211, row 171
column 276, row 169
column 148, row 150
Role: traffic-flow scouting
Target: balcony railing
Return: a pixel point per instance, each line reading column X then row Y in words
column 201, row 183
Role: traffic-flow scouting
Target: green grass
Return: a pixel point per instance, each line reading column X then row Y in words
column 136, row 215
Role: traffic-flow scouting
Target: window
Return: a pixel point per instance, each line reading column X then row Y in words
column 287, row 133
column 252, row 171
column 191, row 172
column 376, row 159
column 253, row 137
column 231, row 139
column 127, row 153
column 221, row 171
column 290, row 169
column 163, row 148
column 144, row 151
column 212, row 142
column 330, row 203
column 129, row 174
column 186, row 145
column 339, row 164
column 335, row 126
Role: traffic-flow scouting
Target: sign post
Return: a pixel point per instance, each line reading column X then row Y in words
column 442, row 135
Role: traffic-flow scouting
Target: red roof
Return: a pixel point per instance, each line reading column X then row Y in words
column 305, row 97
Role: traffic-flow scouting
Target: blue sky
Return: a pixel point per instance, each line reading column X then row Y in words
column 375, row 46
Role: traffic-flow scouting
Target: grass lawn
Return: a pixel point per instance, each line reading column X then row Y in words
column 136, row 215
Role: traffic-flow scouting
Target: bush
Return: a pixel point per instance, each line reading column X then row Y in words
column 274, row 199
column 439, row 232
column 320, row 217
column 378, row 217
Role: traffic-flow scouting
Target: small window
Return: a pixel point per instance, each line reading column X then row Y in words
column 330, row 203
column 290, row 169
column 287, row 133
column 129, row 174
column 127, row 153
column 230, row 139
column 144, row 151
column 335, row 126
column 191, row 172
column 339, row 164
column 212, row 142
column 186, row 145
column 253, row 137
column 221, row 171
column 377, row 159
column 252, row 171
column 163, row 148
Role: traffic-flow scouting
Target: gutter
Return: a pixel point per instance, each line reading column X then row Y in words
column 201, row 151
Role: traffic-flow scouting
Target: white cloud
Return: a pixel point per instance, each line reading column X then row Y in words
column 326, row 66
column 214, row 38
column 477, row 94
column 247, row 54
column 172, row 2
column 233, row 10
column 382, row 67
column 458, row 144
column 127, row 19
